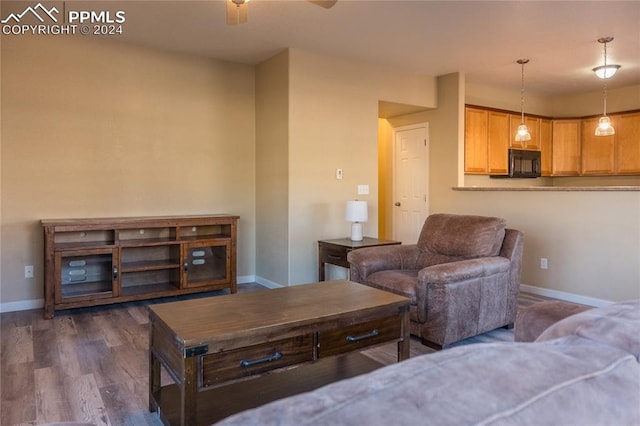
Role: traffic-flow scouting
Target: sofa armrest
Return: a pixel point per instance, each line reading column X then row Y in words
column 366, row 261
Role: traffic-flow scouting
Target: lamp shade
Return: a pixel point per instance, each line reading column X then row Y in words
column 356, row 211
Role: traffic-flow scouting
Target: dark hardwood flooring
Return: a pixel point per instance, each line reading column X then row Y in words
column 91, row 364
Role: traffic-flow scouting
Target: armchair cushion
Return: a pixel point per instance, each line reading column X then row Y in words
column 462, row 236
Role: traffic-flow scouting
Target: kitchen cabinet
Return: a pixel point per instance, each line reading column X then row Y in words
column 498, row 143
column 627, row 144
column 475, row 137
column 533, row 124
column 546, row 146
column 597, row 152
column 486, row 141
column 566, row 147
column 617, row 154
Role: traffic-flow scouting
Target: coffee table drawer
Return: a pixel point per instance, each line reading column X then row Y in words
column 358, row 336
column 234, row 364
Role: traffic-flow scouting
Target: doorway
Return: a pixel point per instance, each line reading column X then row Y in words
column 410, row 181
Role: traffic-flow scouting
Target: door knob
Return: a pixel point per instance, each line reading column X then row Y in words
column 397, row 204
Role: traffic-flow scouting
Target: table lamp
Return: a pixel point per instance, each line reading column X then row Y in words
column 356, row 213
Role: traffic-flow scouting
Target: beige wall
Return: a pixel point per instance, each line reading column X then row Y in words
column 333, row 123
column 591, row 239
column 96, row 129
column 272, row 169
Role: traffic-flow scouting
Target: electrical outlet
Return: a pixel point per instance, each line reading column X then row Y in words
column 28, row 271
column 338, row 173
column 544, row 263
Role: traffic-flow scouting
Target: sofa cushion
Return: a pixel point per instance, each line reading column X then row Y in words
column 568, row 381
column 463, row 236
column 616, row 325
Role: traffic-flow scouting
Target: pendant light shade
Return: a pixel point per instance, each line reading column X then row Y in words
column 522, row 134
column 605, row 128
column 606, row 71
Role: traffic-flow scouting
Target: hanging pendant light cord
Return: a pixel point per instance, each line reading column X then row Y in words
column 522, row 62
column 605, row 81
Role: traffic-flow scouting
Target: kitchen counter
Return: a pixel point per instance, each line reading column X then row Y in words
column 550, row 188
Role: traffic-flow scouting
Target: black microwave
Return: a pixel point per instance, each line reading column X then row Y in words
column 523, row 164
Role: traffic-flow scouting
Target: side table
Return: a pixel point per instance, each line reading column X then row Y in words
column 335, row 251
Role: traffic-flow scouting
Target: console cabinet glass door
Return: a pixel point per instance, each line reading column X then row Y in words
column 206, row 263
column 85, row 275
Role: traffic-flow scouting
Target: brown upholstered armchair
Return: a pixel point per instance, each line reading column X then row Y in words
column 462, row 276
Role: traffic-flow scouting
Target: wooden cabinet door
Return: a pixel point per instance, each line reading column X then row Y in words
column 546, row 146
column 498, row 143
column 533, row 124
column 514, row 122
column 83, row 275
column 597, row 151
column 206, row 263
column 627, row 144
column 475, row 141
column 566, row 148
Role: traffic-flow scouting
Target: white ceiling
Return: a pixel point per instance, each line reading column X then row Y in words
column 481, row 38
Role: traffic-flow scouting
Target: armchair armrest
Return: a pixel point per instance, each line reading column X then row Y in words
column 463, row 270
column 366, row 261
column 445, row 286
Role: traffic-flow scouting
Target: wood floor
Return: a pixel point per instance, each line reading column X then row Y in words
column 91, row 364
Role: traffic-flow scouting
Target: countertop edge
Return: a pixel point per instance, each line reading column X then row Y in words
column 551, row 188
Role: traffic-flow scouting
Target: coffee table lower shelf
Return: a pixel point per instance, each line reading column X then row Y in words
column 217, row 403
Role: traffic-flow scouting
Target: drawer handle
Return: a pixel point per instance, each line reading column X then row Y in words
column 373, row 333
column 334, row 257
column 276, row 356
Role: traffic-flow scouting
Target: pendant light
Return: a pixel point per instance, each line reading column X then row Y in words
column 607, row 70
column 604, row 127
column 522, row 134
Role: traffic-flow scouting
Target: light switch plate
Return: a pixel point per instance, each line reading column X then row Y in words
column 363, row 189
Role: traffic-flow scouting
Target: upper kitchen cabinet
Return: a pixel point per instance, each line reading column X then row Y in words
column 475, row 141
column 498, row 143
column 546, row 146
column 486, row 141
column 627, row 144
column 566, row 147
column 617, row 154
column 597, row 151
column 533, row 124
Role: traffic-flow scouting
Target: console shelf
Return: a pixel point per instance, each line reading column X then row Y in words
column 111, row 260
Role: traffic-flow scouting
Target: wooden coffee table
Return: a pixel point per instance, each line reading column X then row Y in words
column 234, row 352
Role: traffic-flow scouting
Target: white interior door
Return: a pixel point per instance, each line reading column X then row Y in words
column 411, row 182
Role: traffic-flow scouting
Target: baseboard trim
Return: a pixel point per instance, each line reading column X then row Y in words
column 265, row 282
column 567, row 297
column 21, row 305
column 25, row 305
column 246, row 279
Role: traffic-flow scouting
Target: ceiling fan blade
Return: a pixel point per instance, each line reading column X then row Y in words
column 323, row 3
column 236, row 13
